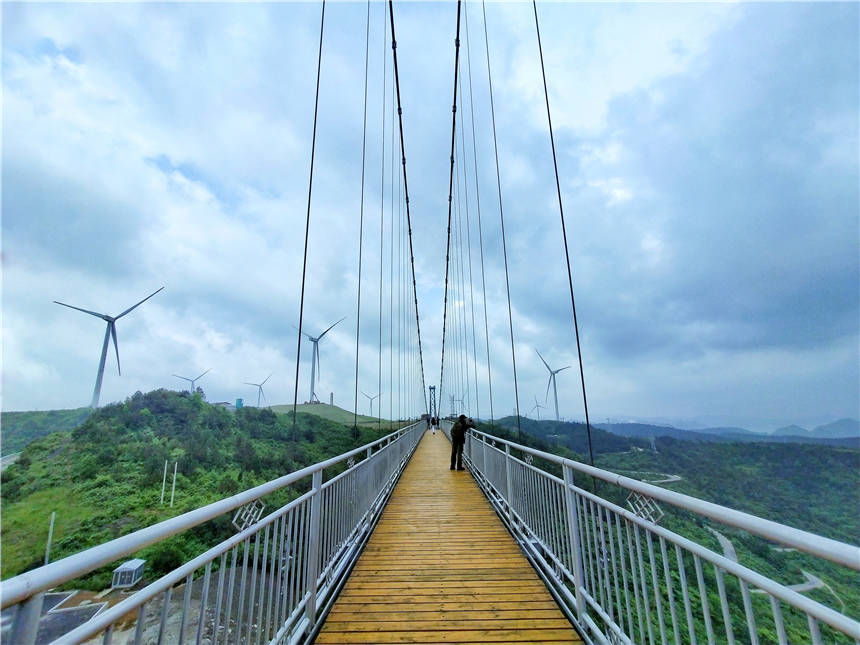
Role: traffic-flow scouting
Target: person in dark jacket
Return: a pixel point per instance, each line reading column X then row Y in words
column 458, row 440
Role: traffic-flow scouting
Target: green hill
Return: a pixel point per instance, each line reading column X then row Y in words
column 17, row 429
column 330, row 412
column 103, row 478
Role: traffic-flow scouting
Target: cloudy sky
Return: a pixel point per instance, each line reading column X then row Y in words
column 708, row 156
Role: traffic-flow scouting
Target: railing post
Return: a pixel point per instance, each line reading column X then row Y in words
column 26, row 624
column 573, row 530
column 509, row 489
column 484, row 457
column 314, row 549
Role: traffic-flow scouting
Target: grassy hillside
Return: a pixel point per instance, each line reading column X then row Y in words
column 330, row 412
column 17, row 429
column 104, row 477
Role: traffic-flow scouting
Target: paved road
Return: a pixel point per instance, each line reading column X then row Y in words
column 8, row 460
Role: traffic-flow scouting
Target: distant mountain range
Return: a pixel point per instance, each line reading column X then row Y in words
column 844, row 432
column 840, row 428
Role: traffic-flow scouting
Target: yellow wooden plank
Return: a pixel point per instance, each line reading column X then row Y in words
column 441, row 568
column 452, row 636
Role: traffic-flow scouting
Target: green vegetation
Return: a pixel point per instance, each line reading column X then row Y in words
column 104, row 478
column 811, row 487
column 20, row 428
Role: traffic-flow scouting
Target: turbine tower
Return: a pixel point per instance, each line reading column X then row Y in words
column 259, row 387
column 315, row 358
column 110, row 332
column 552, row 374
column 193, row 380
column 537, row 407
column 370, row 398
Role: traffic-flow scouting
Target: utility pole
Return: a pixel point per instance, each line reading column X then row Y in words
column 163, row 482
column 50, row 538
column 173, row 490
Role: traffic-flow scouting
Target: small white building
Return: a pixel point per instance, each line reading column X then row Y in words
column 128, row 574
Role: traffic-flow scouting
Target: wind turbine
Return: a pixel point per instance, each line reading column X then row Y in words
column 537, row 407
column 552, row 374
column 315, row 357
column 259, row 387
column 110, row 331
column 370, row 398
column 193, row 380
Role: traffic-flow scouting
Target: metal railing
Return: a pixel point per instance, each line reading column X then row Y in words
column 621, row 577
column 269, row 583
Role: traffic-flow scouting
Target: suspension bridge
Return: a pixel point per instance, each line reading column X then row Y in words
column 385, row 544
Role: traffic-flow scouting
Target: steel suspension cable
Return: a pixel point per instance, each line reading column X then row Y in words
column 564, row 235
column 406, row 197
column 361, row 213
column 462, row 299
column 478, row 206
column 502, row 218
column 469, row 249
column 308, row 223
column 382, row 211
column 450, row 198
column 391, row 269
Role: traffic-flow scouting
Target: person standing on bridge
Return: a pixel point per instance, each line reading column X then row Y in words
column 458, row 440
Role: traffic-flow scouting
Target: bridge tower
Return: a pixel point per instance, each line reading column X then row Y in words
column 433, row 412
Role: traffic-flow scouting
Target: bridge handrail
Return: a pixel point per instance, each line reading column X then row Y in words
column 25, row 585
column 839, row 552
column 580, row 541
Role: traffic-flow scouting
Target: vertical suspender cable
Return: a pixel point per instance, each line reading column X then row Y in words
column 391, row 270
column 469, row 249
column 406, row 196
column 382, row 214
column 564, row 235
column 502, row 219
column 308, row 223
column 450, row 198
column 361, row 215
column 478, row 204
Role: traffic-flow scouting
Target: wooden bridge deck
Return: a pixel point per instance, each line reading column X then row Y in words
column 441, row 568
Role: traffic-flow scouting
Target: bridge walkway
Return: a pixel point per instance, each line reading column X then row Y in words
column 441, row 568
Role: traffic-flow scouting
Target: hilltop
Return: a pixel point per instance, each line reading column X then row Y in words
column 330, row 412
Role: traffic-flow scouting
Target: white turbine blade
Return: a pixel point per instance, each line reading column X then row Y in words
column 86, row 311
column 183, row 378
column 246, row 383
column 329, row 329
column 115, row 346
column 544, row 362
column 561, row 369
column 303, row 332
column 548, row 383
column 262, row 392
column 138, row 304
column 203, row 374
column 266, row 379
